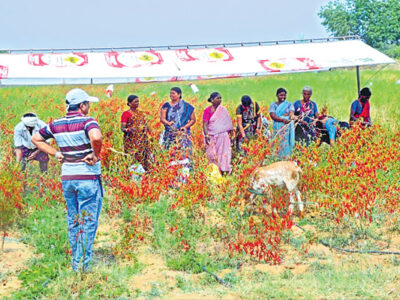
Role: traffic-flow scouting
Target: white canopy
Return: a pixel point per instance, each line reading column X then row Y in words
column 189, row 63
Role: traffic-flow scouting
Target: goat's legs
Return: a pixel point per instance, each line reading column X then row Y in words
column 291, row 202
column 298, row 196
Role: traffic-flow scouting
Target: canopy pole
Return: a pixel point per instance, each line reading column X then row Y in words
column 358, row 79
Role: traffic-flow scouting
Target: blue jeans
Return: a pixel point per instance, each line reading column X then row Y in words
column 84, row 200
column 330, row 126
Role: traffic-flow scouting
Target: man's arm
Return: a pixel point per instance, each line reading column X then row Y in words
column 18, row 143
column 18, row 154
column 96, row 140
column 41, row 144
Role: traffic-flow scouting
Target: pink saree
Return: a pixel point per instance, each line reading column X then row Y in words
column 219, row 150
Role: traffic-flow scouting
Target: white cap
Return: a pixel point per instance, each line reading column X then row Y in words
column 77, row 96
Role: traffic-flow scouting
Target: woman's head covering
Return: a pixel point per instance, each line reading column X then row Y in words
column 246, row 101
column 131, row 98
column 280, row 90
column 212, row 96
column 29, row 119
column 177, row 90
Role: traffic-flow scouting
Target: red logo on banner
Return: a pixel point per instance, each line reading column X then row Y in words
column 133, row 59
column 208, row 55
column 58, row 60
column 289, row 64
column 310, row 63
column 3, row 72
column 205, row 77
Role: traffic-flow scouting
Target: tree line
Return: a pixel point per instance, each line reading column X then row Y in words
column 376, row 22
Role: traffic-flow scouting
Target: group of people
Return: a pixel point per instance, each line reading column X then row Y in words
column 297, row 122
column 79, row 139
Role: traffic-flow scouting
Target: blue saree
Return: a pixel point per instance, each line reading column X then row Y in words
column 180, row 114
column 284, row 132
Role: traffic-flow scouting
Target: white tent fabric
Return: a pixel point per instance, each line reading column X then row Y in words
column 184, row 64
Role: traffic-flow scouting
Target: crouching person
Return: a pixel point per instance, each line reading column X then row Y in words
column 79, row 138
column 329, row 129
column 25, row 150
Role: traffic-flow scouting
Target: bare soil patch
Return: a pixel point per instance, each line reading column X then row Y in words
column 13, row 260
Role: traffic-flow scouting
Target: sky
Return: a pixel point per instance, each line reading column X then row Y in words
column 50, row 24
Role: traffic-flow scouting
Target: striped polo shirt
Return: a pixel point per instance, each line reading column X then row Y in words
column 71, row 134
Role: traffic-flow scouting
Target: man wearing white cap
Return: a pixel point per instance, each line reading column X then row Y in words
column 25, row 150
column 79, row 138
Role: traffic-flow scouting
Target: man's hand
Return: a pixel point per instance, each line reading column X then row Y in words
column 33, row 155
column 90, row 159
column 59, row 156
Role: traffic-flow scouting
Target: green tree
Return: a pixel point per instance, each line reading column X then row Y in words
column 377, row 22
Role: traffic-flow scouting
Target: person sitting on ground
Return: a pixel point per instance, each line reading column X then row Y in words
column 217, row 127
column 329, row 128
column 136, row 133
column 282, row 113
column 25, row 150
column 305, row 110
column 248, row 121
column 360, row 108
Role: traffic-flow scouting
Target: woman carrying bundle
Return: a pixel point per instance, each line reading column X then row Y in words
column 248, row 121
column 177, row 116
column 306, row 111
column 282, row 113
column 136, row 133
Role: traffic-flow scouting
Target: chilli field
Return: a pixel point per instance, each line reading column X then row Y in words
column 200, row 240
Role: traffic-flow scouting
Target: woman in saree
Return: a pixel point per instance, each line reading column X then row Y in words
column 360, row 108
column 177, row 116
column 248, row 121
column 306, row 111
column 282, row 113
column 217, row 126
column 136, row 132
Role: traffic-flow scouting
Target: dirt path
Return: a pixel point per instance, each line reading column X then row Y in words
column 12, row 261
column 157, row 274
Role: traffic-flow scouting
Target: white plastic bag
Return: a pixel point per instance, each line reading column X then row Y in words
column 136, row 171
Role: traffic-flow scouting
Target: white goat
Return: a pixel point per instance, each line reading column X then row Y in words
column 279, row 174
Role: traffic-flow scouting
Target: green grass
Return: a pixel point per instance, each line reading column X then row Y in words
column 336, row 88
column 323, row 281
